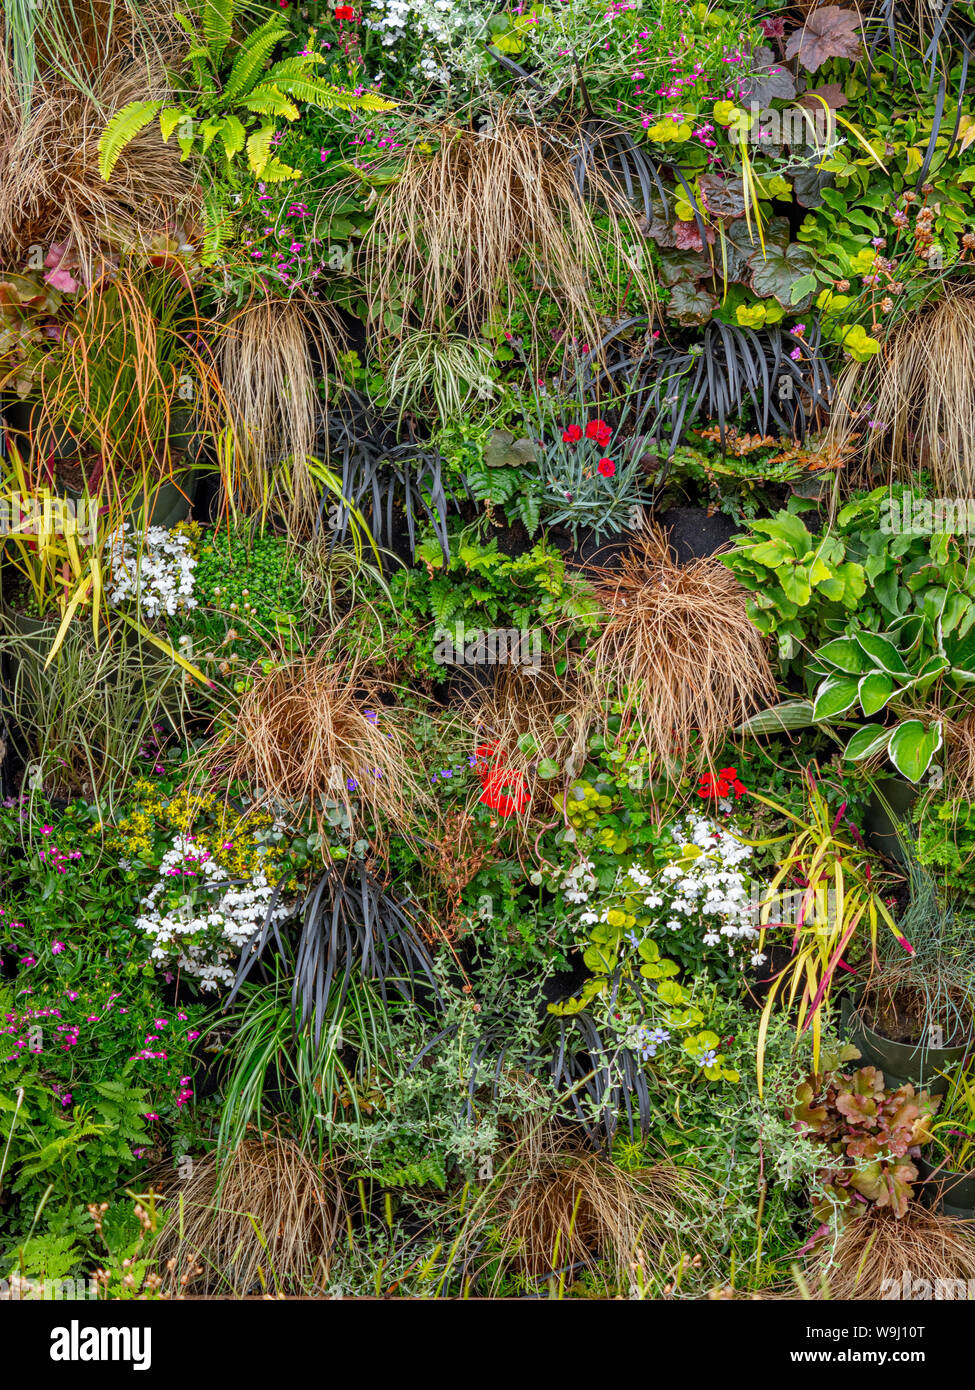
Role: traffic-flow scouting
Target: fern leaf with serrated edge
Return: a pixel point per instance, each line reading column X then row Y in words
column 253, row 55
column 121, row 130
column 299, row 65
column 268, row 101
column 329, row 98
column 259, row 149
column 209, row 130
column 215, row 219
column 233, row 135
column 170, row 118
column 218, row 20
column 275, row 171
column 530, row 507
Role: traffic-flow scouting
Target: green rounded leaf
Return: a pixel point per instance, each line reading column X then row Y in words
column 871, row 739
column 835, row 696
column 912, row 748
column 875, row 690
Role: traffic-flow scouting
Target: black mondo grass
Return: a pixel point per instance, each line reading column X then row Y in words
column 350, row 926
column 384, row 477
column 722, row 372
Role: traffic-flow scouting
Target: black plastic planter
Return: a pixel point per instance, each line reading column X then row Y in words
column 889, row 804
column 951, row 1194
column 901, row 1063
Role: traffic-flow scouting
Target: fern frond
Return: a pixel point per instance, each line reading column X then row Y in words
column 218, row 23
column 121, row 130
column 264, row 100
column 233, row 135
column 329, row 98
column 250, row 61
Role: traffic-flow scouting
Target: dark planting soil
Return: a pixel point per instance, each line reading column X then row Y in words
column 694, row 533
column 902, row 1018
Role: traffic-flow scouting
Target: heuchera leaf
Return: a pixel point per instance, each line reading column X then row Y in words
column 829, row 32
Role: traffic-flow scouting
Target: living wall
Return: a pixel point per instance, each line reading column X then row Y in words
column 488, row 635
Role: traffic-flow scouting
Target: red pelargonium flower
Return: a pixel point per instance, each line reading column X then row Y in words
column 606, row 467
column 501, row 790
column 505, row 792
column 344, row 12
column 725, row 782
column 600, row 432
column 572, row 435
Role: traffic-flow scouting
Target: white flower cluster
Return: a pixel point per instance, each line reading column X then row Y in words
column 155, row 568
column 713, row 889
column 198, row 919
column 708, row 889
column 449, row 26
column 578, row 884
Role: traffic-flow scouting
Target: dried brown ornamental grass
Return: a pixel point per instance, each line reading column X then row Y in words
column 921, row 394
column 313, row 735
column 679, row 651
column 448, row 234
column 272, row 353
column 559, row 1204
column 266, row 1219
column 50, row 186
column 872, row 1254
column 532, row 715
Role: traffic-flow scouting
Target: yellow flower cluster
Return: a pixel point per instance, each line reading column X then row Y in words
column 230, row 837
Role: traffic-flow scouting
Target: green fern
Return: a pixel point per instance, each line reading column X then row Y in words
column 44, row 1257
column 218, row 23
column 121, row 130
column 122, row 1108
column 252, row 57
column 249, row 89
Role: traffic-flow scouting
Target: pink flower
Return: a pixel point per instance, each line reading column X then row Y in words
column 57, row 947
column 606, row 467
column 572, row 435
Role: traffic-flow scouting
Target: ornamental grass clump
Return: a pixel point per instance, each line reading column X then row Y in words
column 264, row 1219
column 312, row 737
column 678, row 651
column 270, row 359
column 921, row 394
column 562, row 1207
column 449, row 235
column 50, row 186
column 920, row 1256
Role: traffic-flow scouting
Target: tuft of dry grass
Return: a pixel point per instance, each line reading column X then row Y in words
column 679, row 650
column 50, row 187
column 871, row 1254
column 114, row 382
column 531, row 714
column 266, row 1219
column 921, row 389
column 314, row 734
column 558, row 1204
column 272, row 352
column 959, row 734
column 448, row 234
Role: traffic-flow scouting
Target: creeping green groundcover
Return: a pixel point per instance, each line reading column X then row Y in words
column 487, row 617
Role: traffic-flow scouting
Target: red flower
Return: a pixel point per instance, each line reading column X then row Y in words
column 606, row 467
column 572, row 435
column 725, row 782
column 600, row 431
column 501, row 790
column 505, row 792
column 344, row 12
